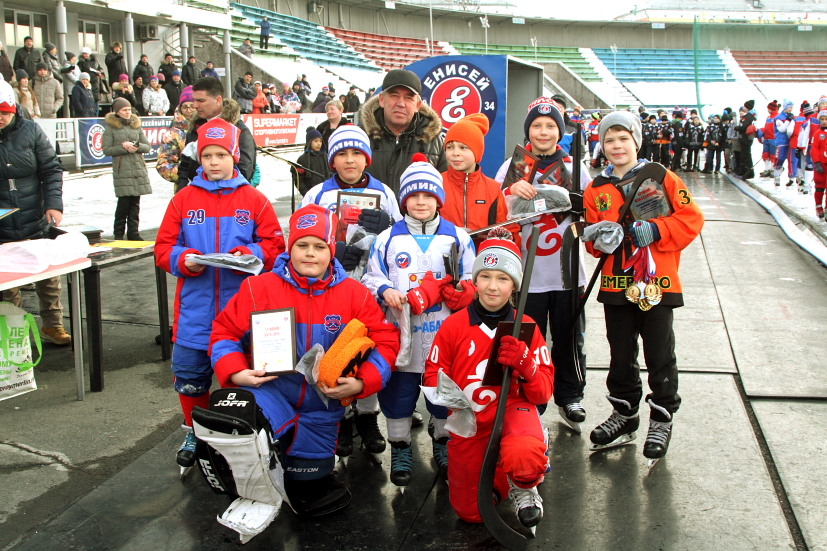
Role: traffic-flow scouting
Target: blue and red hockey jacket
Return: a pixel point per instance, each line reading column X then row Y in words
column 213, row 217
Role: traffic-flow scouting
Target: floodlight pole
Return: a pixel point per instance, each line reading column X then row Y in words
column 485, row 25
column 431, row 18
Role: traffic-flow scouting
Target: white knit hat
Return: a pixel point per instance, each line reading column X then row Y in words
column 348, row 136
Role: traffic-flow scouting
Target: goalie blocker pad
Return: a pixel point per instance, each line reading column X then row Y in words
column 235, row 451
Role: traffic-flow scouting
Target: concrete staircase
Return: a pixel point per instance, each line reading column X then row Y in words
column 609, row 87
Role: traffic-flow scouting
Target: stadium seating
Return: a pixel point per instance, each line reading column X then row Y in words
column 572, row 57
column 647, row 65
column 783, row 66
column 310, row 41
column 389, row 52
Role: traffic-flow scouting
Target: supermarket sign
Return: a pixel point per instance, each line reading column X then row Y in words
column 275, row 130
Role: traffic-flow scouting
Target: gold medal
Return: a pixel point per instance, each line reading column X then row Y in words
column 633, row 294
column 644, row 305
column 652, row 293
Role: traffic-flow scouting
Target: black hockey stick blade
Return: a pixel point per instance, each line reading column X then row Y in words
column 570, row 237
column 496, row 526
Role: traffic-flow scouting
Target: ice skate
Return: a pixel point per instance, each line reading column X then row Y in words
column 401, row 464
column 657, row 441
column 315, row 498
column 344, row 445
column 367, row 425
column 186, row 454
column 440, row 449
column 615, row 431
column 527, row 504
column 573, row 415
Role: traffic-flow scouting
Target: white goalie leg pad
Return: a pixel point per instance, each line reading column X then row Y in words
column 247, row 517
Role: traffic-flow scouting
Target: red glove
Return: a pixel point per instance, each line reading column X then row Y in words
column 458, row 299
column 427, row 294
column 515, row 354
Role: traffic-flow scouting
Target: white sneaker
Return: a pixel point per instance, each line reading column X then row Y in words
column 527, row 504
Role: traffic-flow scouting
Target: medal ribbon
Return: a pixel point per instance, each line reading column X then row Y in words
column 652, row 267
column 639, row 262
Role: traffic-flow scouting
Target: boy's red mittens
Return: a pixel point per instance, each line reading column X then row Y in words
column 514, row 353
column 427, row 294
column 458, row 299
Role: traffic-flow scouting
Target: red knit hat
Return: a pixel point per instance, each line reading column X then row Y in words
column 316, row 221
column 221, row 133
column 7, row 101
column 471, row 131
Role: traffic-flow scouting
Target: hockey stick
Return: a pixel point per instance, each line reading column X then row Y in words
column 574, row 254
column 291, row 163
column 652, row 171
column 502, row 532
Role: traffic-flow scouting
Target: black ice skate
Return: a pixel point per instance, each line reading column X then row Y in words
column 401, row 464
column 527, row 504
column 657, row 441
column 344, row 445
column 573, row 415
column 367, row 425
column 186, row 454
column 615, row 431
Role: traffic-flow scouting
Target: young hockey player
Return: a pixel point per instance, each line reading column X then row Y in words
column 768, row 155
column 784, row 127
column 714, row 139
column 818, row 153
column 461, row 350
column 310, row 280
column 594, row 139
column 406, row 265
column 549, row 304
column 472, row 199
column 662, row 140
column 349, row 154
column 663, row 238
column 313, row 158
column 678, row 139
column 219, row 212
column 798, row 145
column 805, row 142
column 694, row 142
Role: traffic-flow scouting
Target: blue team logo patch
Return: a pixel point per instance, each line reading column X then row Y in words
column 403, row 260
column 242, row 217
column 332, row 322
column 215, row 133
column 306, row 221
column 490, row 260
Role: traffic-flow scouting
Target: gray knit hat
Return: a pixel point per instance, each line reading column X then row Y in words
column 501, row 254
column 627, row 120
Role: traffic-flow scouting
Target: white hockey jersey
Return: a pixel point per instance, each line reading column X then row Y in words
column 326, row 194
column 400, row 258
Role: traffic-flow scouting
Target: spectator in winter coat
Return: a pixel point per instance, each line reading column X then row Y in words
column 143, row 69
column 24, row 94
column 138, row 88
column 209, row 71
column 208, row 96
column 172, row 144
column 88, row 64
column 265, row 34
column 246, row 48
column 167, row 68
column 51, row 61
column 5, row 65
column 122, row 89
column 302, row 92
column 290, row 102
column 334, row 111
column 260, row 103
column 243, row 93
column 126, row 143
column 173, row 89
column 30, row 162
column 115, row 63
column 190, row 72
column 50, row 92
column 72, row 72
column 321, row 99
column 27, row 57
column 156, row 102
column 399, row 124
column 314, row 158
column 745, row 137
column 273, row 99
column 353, row 101
column 83, row 101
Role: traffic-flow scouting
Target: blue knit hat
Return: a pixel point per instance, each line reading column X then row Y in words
column 312, row 134
column 420, row 176
column 348, row 137
column 545, row 107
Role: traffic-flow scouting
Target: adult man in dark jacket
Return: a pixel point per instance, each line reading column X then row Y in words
column 143, row 69
column 27, row 57
column 744, row 169
column 399, row 124
column 301, row 91
column 51, row 61
column 353, row 101
column 31, row 179
column 190, row 72
column 264, row 38
column 173, row 88
column 115, row 63
column 167, row 67
column 208, row 96
column 88, row 64
column 244, row 93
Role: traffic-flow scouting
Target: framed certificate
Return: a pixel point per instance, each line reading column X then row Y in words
column 273, row 341
column 349, row 205
column 523, row 167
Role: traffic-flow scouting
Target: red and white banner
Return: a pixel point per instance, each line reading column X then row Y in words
column 274, row 130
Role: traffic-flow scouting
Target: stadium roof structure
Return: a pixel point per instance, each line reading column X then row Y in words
column 730, row 11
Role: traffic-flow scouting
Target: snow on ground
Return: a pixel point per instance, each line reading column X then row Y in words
column 91, row 199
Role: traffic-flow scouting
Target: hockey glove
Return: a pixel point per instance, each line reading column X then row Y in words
column 374, row 220
column 576, row 201
column 348, row 255
column 819, row 167
column 515, row 354
column 427, row 294
column 458, row 299
column 644, row 233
